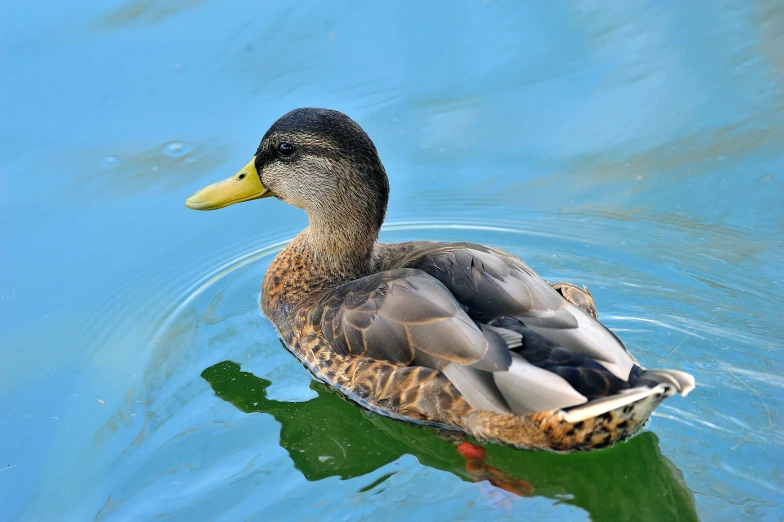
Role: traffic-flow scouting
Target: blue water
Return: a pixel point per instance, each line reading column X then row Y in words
column 633, row 147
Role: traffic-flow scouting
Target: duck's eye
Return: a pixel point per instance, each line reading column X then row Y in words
column 286, row 149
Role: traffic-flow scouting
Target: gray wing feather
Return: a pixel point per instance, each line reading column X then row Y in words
column 529, row 389
column 401, row 316
column 589, row 337
column 477, row 387
column 498, row 357
column 491, row 283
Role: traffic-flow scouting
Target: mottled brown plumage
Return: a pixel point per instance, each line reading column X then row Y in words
column 458, row 335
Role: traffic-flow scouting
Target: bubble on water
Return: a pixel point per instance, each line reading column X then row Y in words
column 109, row 161
column 176, row 148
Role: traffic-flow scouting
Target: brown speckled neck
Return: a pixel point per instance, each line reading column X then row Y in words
column 310, row 264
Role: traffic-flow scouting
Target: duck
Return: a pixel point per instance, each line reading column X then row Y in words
column 455, row 335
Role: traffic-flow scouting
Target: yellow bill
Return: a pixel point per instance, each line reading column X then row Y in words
column 243, row 186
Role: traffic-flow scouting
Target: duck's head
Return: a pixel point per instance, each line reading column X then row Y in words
column 319, row 160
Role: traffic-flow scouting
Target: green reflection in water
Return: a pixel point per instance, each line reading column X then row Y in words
column 328, row 436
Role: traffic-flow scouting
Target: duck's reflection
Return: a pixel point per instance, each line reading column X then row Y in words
column 327, row 436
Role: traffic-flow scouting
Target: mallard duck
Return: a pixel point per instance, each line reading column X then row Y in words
column 457, row 335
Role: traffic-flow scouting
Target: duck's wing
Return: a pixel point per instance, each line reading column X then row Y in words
column 491, row 284
column 408, row 317
column 399, row 315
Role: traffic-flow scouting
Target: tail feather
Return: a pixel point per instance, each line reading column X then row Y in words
column 665, row 383
column 598, row 407
column 682, row 382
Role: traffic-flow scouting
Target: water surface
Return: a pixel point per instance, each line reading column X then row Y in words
column 636, row 149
